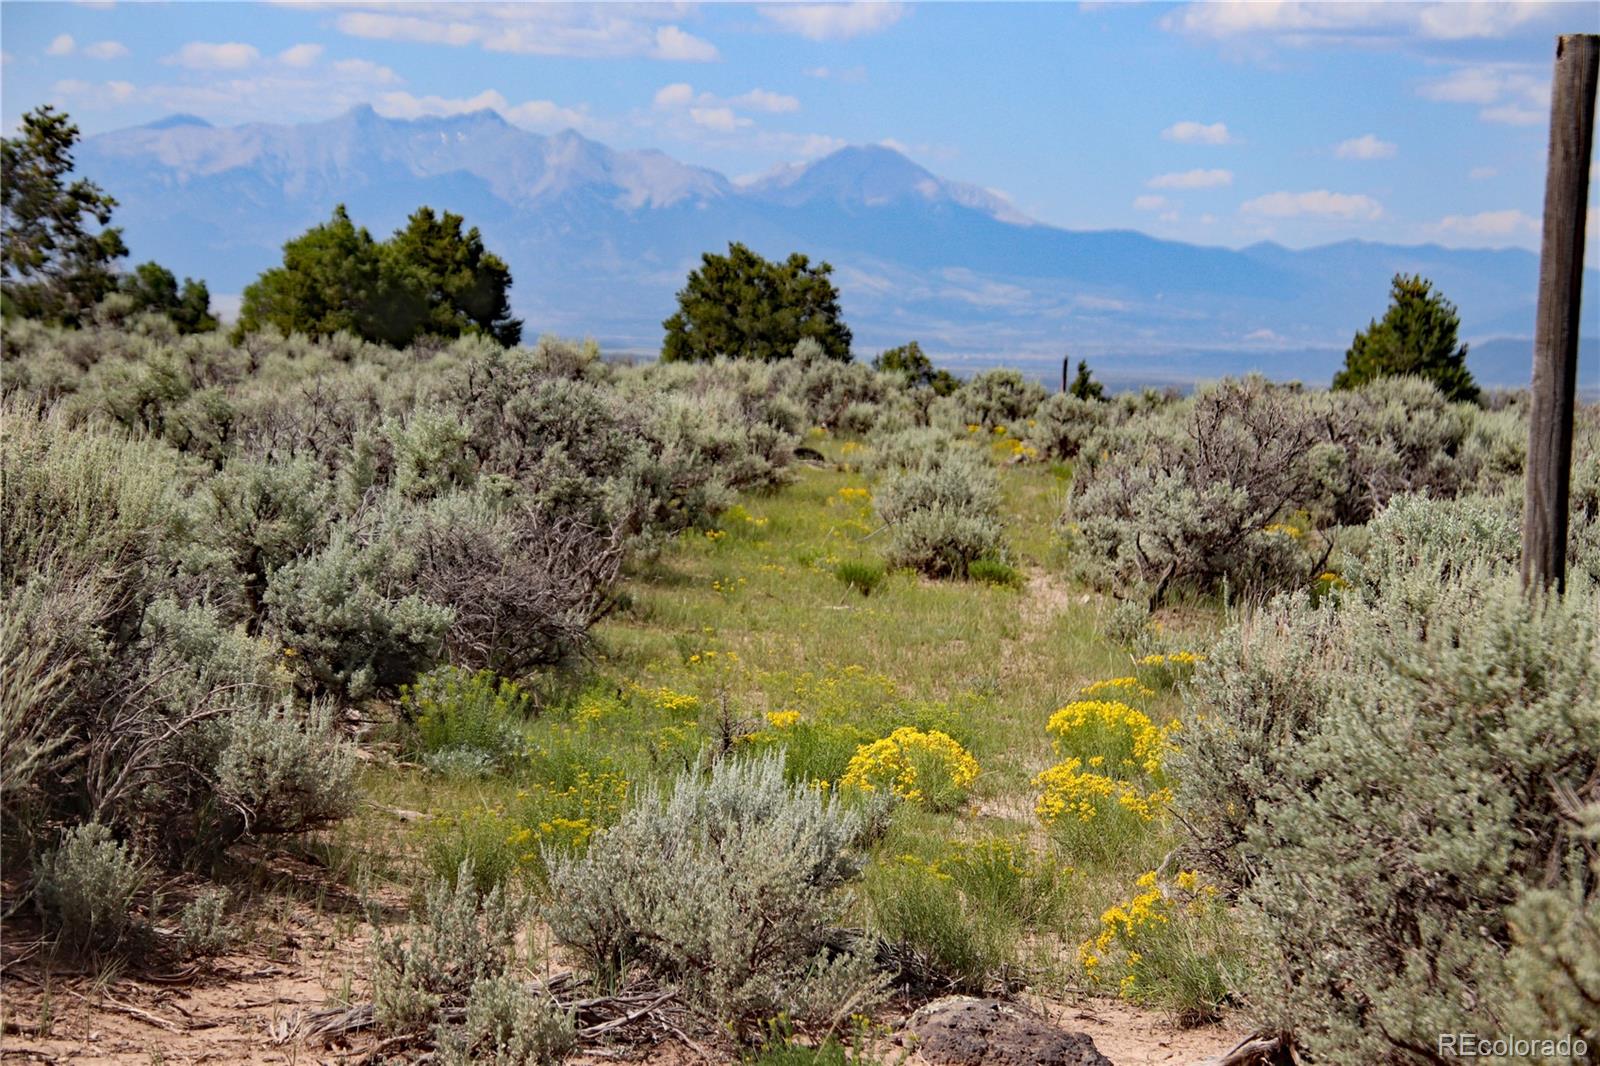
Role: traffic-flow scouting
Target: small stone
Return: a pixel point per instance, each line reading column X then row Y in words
column 961, row 1031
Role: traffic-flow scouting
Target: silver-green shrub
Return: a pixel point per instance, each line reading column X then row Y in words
column 943, row 513
column 281, row 770
column 508, row 1023
column 1064, row 423
column 456, row 940
column 340, row 613
column 1404, row 764
column 86, row 887
column 1189, row 495
column 1555, row 961
column 202, row 924
column 728, row 889
column 998, row 398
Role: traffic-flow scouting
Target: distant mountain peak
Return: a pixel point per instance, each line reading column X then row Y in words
column 174, row 121
column 876, row 175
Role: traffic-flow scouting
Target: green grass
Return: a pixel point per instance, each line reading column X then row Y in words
column 746, row 639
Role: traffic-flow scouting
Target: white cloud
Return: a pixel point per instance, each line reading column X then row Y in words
column 1198, row 133
column 1149, row 202
column 1502, row 226
column 1319, row 203
column 678, row 94
column 1192, row 179
column 534, row 114
column 300, row 55
column 201, row 55
column 106, row 50
column 1300, row 23
column 673, row 43
column 851, row 75
column 1367, row 146
column 1513, row 115
column 1482, row 173
column 410, row 28
column 763, row 100
column 1457, row 21
column 1508, row 94
column 63, row 45
column 591, row 31
column 1478, row 85
column 721, row 119
column 270, row 92
column 834, row 22
column 366, row 70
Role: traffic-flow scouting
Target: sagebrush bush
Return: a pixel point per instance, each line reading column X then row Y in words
column 1188, row 496
column 726, row 889
column 279, row 770
column 202, row 923
column 338, row 611
column 1404, row 765
column 1064, row 423
column 942, row 514
column 998, row 398
column 457, row 939
column 86, row 888
column 1555, row 957
column 507, row 1024
column 1250, row 483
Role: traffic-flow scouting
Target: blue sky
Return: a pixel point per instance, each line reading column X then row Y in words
column 1214, row 123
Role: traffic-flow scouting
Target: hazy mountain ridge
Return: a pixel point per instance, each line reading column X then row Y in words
column 600, row 239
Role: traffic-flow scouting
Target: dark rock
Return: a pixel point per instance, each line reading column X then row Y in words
column 808, row 454
column 992, row 1032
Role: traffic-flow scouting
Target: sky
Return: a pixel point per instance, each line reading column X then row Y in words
column 1214, row 123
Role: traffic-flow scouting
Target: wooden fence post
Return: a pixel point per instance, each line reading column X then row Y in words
column 1555, row 331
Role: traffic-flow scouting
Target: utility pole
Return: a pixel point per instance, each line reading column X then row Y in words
column 1555, row 332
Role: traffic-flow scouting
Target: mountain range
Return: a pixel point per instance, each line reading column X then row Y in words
column 599, row 240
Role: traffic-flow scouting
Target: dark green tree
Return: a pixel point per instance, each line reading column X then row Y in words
column 909, row 359
column 332, row 279
column 1084, row 386
column 742, row 306
column 1416, row 337
column 58, row 246
column 450, row 283
column 153, row 287
column 429, row 278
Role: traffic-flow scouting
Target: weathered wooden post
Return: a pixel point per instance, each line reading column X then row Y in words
column 1555, row 331
column 1066, row 371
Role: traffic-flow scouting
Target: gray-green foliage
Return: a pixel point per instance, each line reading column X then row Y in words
column 1064, row 423
column 202, row 923
column 1388, row 781
column 86, row 888
column 339, row 612
column 508, row 1023
column 1555, row 961
column 1185, row 497
column 728, row 889
column 943, row 514
column 1251, row 482
column 998, row 398
column 456, row 940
